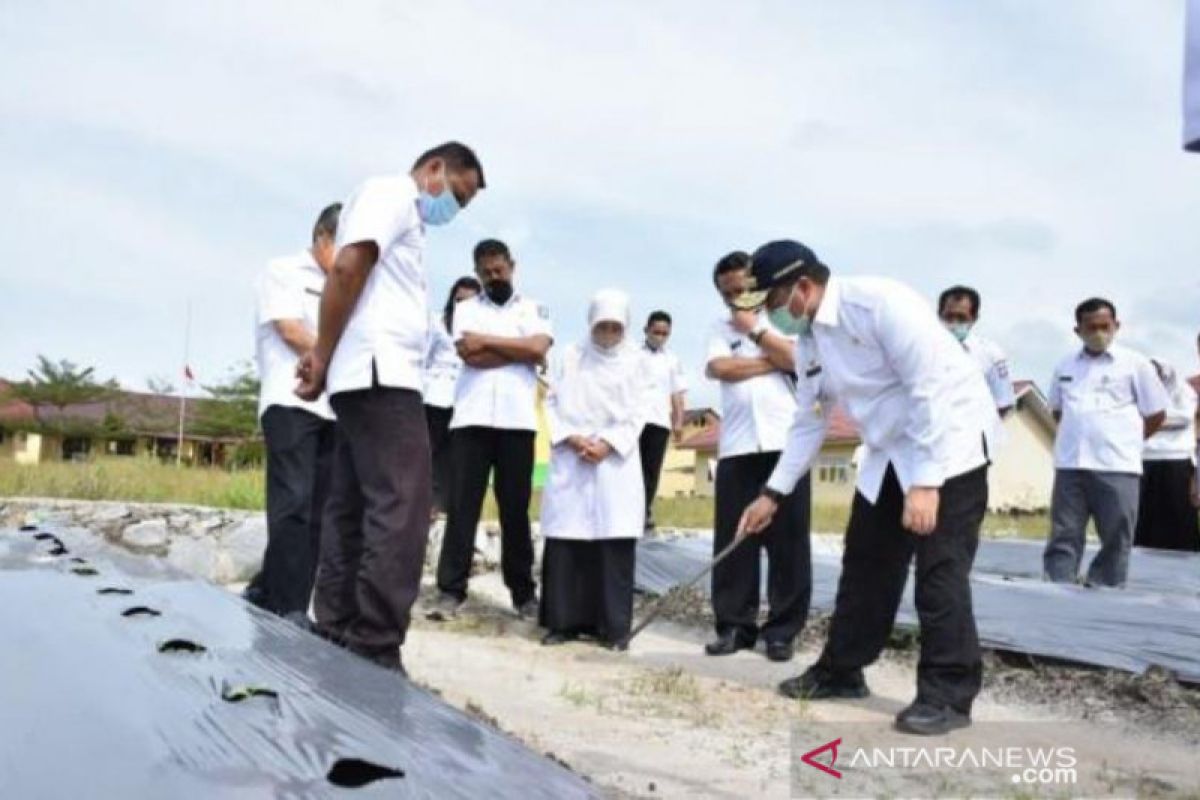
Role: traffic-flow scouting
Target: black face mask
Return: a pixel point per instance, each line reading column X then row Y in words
column 499, row 292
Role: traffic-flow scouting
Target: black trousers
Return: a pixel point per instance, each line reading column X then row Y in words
column 653, row 447
column 875, row 563
column 1166, row 518
column 736, row 581
column 474, row 453
column 587, row 587
column 299, row 459
column 438, row 419
column 376, row 520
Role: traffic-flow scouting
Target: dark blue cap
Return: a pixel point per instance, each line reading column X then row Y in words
column 774, row 264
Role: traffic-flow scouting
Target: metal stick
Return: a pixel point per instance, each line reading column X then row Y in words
column 660, row 603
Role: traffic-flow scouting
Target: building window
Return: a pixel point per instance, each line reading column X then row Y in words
column 831, row 470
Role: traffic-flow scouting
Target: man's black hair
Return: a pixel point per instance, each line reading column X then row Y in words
column 491, row 247
column 327, row 222
column 1091, row 306
column 957, row 292
column 658, row 316
column 458, row 157
column 736, row 261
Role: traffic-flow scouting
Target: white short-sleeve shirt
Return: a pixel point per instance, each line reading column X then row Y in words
column 501, row 397
column 1103, row 400
column 754, row 413
column 666, row 380
column 442, row 365
column 288, row 289
column 388, row 328
column 994, row 365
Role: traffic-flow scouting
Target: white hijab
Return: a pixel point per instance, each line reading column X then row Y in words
column 602, row 391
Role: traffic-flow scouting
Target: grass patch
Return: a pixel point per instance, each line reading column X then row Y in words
column 579, row 696
column 671, row 682
column 135, row 479
column 145, row 480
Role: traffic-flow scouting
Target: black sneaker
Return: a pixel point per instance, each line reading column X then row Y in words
column 818, row 683
column 528, row 609
column 444, row 608
column 925, row 719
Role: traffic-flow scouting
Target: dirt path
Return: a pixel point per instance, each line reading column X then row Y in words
column 664, row 720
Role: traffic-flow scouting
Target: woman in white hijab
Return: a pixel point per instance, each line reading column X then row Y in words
column 590, row 517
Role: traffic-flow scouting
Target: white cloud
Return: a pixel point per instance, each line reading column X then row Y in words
column 1027, row 147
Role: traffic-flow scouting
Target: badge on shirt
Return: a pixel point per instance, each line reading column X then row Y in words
column 813, row 370
column 312, row 291
column 735, row 344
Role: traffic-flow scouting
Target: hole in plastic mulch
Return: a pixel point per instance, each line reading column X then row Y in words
column 27, row 528
column 141, row 611
column 86, row 572
column 236, row 694
column 43, row 536
column 114, row 590
column 353, row 773
column 181, row 646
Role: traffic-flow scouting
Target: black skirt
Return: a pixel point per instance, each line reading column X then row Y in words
column 587, row 587
column 1166, row 518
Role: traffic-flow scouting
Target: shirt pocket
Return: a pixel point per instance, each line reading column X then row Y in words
column 1111, row 395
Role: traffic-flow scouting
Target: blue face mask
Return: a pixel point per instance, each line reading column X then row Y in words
column 438, row 209
column 960, row 330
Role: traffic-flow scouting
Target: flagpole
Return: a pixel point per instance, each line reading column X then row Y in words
column 187, row 335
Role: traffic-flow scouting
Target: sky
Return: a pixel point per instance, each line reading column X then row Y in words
column 158, row 154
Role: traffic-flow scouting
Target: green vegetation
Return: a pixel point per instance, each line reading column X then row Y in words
column 136, row 479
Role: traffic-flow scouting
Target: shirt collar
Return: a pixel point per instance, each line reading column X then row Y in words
column 483, row 298
column 1085, row 356
column 831, row 301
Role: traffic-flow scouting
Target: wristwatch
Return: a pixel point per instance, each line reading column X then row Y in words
column 757, row 334
column 773, row 495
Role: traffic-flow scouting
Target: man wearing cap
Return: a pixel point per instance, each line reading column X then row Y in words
column 370, row 350
column 926, row 415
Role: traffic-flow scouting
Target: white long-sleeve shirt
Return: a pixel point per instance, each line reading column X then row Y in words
column 918, row 399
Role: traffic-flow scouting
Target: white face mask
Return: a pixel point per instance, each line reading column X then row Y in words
column 1098, row 341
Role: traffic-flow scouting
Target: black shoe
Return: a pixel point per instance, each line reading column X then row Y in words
column 818, row 683
column 727, row 644
column 930, row 720
column 780, row 651
column 557, row 637
column 255, row 596
column 616, row 645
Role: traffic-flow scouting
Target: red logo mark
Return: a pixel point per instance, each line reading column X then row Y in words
column 810, row 758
